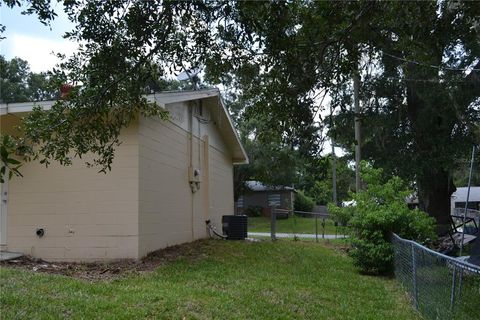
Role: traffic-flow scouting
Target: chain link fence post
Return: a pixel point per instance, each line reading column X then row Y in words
column 452, row 290
column 273, row 224
column 323, row 228
column 414, row 278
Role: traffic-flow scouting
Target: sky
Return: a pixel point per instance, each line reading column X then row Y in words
column 30, row 40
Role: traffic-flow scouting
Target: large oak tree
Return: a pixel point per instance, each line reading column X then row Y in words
column 420, row 106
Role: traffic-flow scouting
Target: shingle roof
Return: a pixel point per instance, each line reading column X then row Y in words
column 461, row 194
column 259, row 186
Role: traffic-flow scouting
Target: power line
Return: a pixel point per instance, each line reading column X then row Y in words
column 428, row 65
column 425, row 80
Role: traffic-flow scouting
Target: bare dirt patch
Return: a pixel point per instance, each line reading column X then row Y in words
column 342, row 248
column 193, row 251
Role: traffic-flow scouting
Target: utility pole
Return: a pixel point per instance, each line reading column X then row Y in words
column 468, row 198
column 358, row 138
column 334, row 162
column 334, row 174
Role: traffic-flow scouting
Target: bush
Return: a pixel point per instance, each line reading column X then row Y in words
column 254, row 211
column 303, row 202
column 342, row 215
column 381, row 209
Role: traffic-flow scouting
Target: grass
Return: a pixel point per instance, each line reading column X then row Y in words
column 226, row 280
column 293, row 224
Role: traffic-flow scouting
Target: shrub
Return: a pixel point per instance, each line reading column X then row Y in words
column 254, row 211
column 381, row 209
column 342, row 215
column 303, row 202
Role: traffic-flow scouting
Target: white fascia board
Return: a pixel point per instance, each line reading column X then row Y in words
column 161, row 98
column 179, row 96
column 244, row 157
column 6, row 108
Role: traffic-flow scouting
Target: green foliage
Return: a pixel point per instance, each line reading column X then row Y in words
column 378, row 211
column 342, row 215
column 254, row 211
column 419, row 114
column 322, row 192
column 123, row 46
column 273, row 161
column 8, row 164
column 303, row 202
column 462, row 169
column 312, row 169
column 19, row 84
column 269, row 162
column 322, row 189
column 65, row 130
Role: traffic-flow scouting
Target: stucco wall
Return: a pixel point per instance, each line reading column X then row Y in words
column 87, row 215
column 169, row 212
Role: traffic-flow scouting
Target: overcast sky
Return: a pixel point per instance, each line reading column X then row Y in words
column 30, row 40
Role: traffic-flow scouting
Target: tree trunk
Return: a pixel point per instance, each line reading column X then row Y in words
column 435, row 190
column 435, row 185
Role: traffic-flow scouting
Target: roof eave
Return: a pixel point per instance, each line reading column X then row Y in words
column 241, row 158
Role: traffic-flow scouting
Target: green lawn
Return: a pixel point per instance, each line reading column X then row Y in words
column 225, row 280
column 293, row 224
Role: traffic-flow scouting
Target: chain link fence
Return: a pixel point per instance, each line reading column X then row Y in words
column 302, row 224
column 441, row 287
column 282, row 223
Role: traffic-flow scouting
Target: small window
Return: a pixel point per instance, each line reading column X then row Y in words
column 274, row 200
column 471, row 205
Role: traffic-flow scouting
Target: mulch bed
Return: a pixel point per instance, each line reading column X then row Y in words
column 193, row 251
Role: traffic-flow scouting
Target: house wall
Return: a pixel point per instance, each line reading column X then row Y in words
column 221, row 186
column 145, row 203
column 169, row 212
column 255, row 199
column 86, row 215
column 260, row 198
column 459, row 197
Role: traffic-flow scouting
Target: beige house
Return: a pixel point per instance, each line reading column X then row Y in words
column 167, row 179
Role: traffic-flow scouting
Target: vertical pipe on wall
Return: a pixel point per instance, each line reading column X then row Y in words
column 199, row 124
column 206, row 176
column 190, row 151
